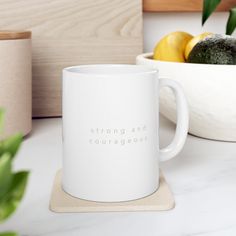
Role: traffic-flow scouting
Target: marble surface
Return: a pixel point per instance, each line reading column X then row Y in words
column 202, row 178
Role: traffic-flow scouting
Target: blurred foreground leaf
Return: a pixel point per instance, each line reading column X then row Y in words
column 10, row 201
column 12, row 185
column 11, row 145
column 5, row 174
column 8, row 234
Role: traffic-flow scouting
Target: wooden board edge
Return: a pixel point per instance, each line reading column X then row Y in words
column 182, row 5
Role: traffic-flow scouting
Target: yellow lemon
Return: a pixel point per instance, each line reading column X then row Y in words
column 193, row 42
column 172, row 47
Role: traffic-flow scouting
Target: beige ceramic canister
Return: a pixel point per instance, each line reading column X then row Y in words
column 16, row 81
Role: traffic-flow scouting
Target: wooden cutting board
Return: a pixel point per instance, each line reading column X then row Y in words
column 73, row 32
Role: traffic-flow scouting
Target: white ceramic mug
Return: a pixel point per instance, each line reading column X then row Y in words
column 111, row 133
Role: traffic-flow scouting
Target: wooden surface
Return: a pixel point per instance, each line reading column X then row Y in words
column 73, row 32
column 182, row 5
column 6, row 35
column 60, row 201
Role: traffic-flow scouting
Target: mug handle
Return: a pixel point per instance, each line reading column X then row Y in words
column 182, row 123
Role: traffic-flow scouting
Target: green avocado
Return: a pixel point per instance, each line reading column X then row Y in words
column 216, row 49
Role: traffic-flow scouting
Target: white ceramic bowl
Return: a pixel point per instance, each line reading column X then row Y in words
column 210, row 91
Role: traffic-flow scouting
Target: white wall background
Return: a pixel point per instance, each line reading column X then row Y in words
column 156, row 25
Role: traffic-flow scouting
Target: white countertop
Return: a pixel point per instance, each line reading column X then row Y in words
column 202, row 178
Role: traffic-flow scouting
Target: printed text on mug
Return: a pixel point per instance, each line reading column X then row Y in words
column 118, row 136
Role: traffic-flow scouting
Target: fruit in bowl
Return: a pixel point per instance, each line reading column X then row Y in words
column 216, row 49
column 205, row 68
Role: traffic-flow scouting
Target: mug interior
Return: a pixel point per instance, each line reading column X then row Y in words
column 110, row 69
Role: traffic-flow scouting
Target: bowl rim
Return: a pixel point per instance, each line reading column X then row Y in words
column 146, row 57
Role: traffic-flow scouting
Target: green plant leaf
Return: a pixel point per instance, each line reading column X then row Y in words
column 11, row 144
column 5, row 174
column 8, row 234
column 231, row 23
column 208, row 7
column 12, row 198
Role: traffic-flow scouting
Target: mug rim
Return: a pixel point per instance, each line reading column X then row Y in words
column 136, row 69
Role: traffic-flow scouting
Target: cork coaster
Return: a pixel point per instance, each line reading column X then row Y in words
column 61, row 202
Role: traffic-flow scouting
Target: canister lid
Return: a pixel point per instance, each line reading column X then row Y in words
column 8, row 35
